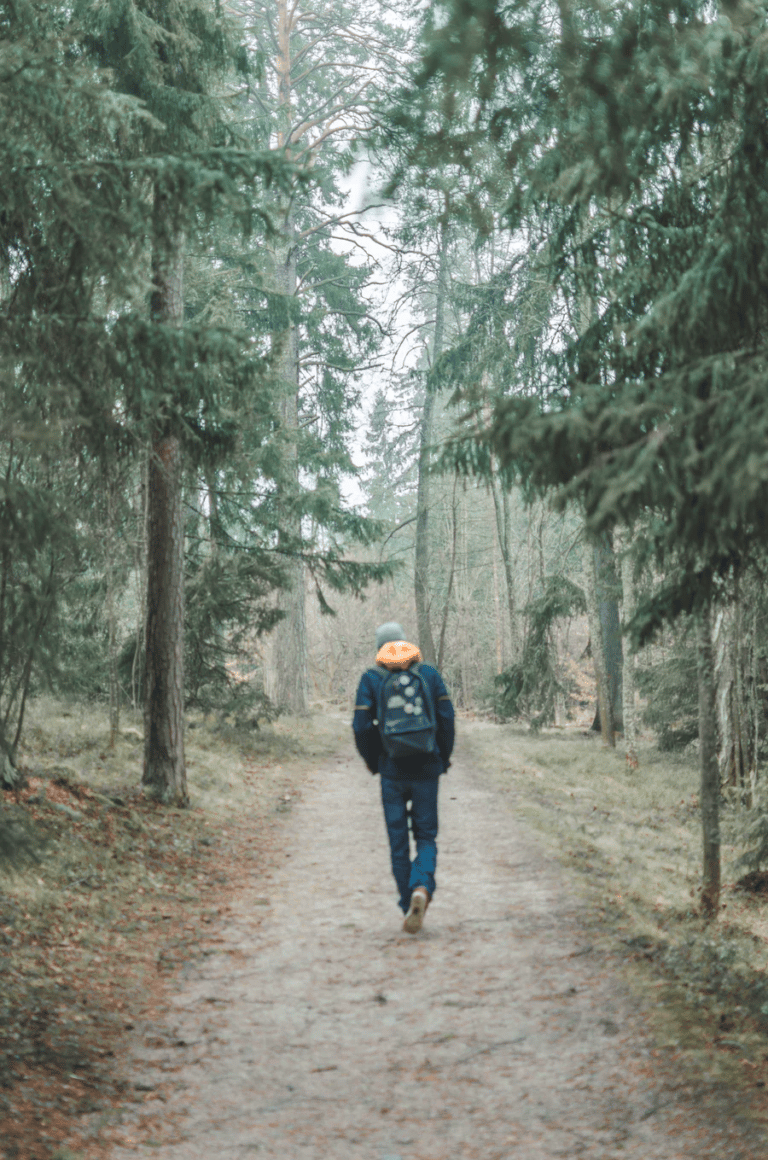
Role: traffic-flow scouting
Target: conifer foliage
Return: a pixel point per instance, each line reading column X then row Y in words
column 630, row 145
column 138, row 179
column 106, row 175
column 171, row 56
column 68, row 243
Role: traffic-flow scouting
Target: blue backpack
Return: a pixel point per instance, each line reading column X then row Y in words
column 405, row 712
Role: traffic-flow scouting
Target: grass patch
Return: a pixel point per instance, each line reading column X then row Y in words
column 633, row 837
column 124, row 892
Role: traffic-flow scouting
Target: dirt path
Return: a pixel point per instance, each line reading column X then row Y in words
column 318, row 1030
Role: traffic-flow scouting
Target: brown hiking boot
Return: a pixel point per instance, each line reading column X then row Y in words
column 416, row 911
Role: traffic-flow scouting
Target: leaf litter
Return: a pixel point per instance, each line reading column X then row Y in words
column 122, row 894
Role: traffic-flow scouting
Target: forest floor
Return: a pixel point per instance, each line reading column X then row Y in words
column 233, row 980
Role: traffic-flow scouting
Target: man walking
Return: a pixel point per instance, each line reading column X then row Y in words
column 404, row 730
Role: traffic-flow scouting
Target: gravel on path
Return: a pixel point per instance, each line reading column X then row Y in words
column 318, row 1030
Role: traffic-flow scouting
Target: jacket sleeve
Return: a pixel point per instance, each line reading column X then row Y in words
column 367, row 736
column 445, row 719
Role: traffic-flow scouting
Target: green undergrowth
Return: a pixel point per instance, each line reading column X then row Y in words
column 122, row 891
column 633, row 838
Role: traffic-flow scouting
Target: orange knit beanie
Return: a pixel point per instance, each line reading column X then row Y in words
column 397, row 654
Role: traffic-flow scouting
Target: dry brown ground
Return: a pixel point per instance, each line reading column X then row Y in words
column 125, row 893
column 305, row 1024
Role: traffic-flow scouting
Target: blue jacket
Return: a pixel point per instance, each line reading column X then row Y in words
column 368, row 738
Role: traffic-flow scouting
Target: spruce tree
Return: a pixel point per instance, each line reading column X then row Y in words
column 69, row 241
column 638, row 136
column 172, row 57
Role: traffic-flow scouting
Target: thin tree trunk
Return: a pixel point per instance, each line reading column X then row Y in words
column 755, row 712
column 291, row 643
column 628, row 677
column 710, row 772
column 598, row 651
column 608, row 607
column 422, row 552
column 501, row 509
column 451, row 577
column 585, row 311
column 5, row 571
column 724, row 661
column 164, row 767
column 463, row 642
column 515, row 648
column 109, row 580
column 742, row 708
column 138, row 674
column 497, row 613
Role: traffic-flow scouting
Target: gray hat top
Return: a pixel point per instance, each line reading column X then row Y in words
column 387, row 632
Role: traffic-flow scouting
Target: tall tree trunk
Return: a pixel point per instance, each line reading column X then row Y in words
column 138, row 674
column 501, row 509
column 451, row 575
column 602, row 624
column 291, row 643
column 755, row 714
column 165, row 774
column 291, row 646
column 422, row 553
column 598, row 651
column 628, row 677
column 734, row 666
column 725, row 660
column 5, row 578
column 497, row 614
column 710, row 772
column 608, row 608
column 109, row 554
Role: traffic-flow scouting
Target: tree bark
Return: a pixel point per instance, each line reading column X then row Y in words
column 608, row 609
column 165, row 775
column 710, row 772
column 109, row 556
column 501, row 509
column 497, row 615
column 421, row 570
column 628, row 676
column 291, row 643
column 726, row 707
column 138, row 672
column 451, row 576
column 598, row 651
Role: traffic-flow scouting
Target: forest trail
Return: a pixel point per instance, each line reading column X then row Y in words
column 316, row 1029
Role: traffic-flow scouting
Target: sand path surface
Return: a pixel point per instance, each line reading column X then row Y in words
column 319, row 1030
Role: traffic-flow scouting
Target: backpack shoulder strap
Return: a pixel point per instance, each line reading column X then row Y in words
column 381, row 673
column 416, row 668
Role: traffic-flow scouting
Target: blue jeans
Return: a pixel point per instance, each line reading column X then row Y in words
column 396, row 792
